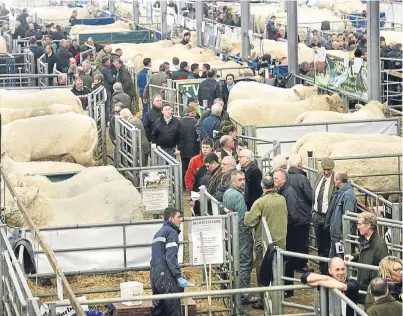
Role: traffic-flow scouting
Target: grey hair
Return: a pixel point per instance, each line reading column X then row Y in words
column 216, row 109
column 119, row 104
column 224, row 140
column 86, row 63
column 219, row 101
column 294, row 160
column 247, row 153
column 117, row 86
column 341, row 175
column 125, row 112
column 279, row 161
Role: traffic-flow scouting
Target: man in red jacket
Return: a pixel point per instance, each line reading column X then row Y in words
column 196, row 162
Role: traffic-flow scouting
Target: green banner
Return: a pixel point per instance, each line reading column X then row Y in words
column 192, row 88
column 348, row 77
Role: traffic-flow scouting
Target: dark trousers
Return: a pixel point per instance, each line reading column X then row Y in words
column 185, row 165
column 108, row 105
column 297, row 241
column 145, row 109
column 322, row 239
column 166, row 307
column 259, row 260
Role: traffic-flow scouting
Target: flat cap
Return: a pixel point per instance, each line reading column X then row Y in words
column 327, row 163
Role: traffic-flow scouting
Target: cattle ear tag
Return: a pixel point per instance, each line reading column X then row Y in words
column 108, row 200
column 106, row 179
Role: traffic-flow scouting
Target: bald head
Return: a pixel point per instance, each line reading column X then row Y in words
column 108, row 49
column 337, row 269
column 228, row 163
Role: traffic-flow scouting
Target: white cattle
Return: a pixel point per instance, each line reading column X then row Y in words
column 74, row 186
column 52, row 137
column 3, row 46
column 38, row 167
column 82, row 29
column 108, row 202
column 9, row 115
column 264, row 113
column 373, row 110
column 39, row 99
column 357, row 167
column 259, row 91
column 319, row 142
column 114, row 202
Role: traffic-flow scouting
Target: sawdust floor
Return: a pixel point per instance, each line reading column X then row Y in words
column 194, row 275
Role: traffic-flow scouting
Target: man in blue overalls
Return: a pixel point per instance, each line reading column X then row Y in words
column 142, row 80
column 165, row 273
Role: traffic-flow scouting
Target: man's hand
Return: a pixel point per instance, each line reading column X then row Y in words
column 348, row 258
column 177, row 152
column 145, row 100
column 192, row 203
column 114, row 141
column 183, row 282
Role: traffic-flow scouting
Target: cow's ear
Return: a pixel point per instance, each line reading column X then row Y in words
column 359, row 106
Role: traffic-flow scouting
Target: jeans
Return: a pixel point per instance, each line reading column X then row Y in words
column 322, row 239
column 245, row 258
column 170, row 151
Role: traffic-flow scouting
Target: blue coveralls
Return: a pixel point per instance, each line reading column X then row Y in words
column 165, row 270
column 142, row 79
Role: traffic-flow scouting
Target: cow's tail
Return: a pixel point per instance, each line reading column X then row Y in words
column 300, row 119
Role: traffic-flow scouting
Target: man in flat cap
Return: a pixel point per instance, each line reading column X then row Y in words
column 322, row 192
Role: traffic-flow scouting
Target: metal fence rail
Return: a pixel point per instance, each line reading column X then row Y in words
column 13, row 309
column 96, row 109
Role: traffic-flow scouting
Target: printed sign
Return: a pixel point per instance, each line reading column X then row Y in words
column 213, row 247
column 347, row 76
column 155, row 190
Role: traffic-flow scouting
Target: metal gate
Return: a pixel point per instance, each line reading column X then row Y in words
column 96, row 109
column 42, row 68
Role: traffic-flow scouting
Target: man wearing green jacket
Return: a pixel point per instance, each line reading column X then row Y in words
column 273, row 207
column 384, row 303
column 234, row 200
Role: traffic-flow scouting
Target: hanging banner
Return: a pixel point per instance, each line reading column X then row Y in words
column 349, row 77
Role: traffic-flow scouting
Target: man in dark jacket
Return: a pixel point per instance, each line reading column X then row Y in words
column 387, row 48
column 63, row 56
column 343, row 201
column 186, row 38
column 209, row 89
column 74, row 49
column 194, row 74
column 205, row 69
column 323, row 191
column 142, row 80
column 211, row 123
column 189, row 146
column 183, row 73
column 295, row 218
column 395, row 53
column 123, row 76
column 166, row 131
column 81, row 91
column 109, row 79
column 299, row 182
column 73, row 18
column 226, row 88
column 152, row 116
column 31, row 30
column 253, row 177
column 271, row 27
column 50, row 58
column 165, row 272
